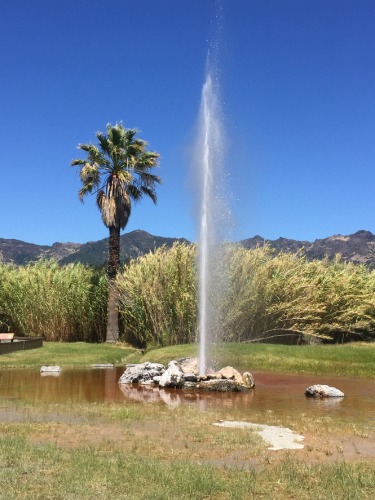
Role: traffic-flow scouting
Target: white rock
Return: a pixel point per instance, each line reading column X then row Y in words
column 323, row 391
column 141, row 373
column 50, row 369
column 248, row 380
column 173, row 376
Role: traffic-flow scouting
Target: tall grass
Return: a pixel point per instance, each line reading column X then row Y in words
column 58, row 303
column 267, row 296
column 158, row 293
column 271, row 295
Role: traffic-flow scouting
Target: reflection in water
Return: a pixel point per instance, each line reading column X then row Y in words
column 281, row 394
column 328, row 403
column 150, row 394
column 176, row 397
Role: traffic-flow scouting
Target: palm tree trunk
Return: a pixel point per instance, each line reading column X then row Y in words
column 113, row 266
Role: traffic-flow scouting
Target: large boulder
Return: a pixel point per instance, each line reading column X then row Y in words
column 228, row 373
column 248, row 380
column 173, row 376
column 189, row 365
column 323, row 391
column 142, row 373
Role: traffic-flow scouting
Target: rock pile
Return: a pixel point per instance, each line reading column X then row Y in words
column 184, row 374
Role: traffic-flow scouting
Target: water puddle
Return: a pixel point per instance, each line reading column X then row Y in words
column 278, row 393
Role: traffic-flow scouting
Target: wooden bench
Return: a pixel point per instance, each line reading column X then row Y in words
column 6, row 336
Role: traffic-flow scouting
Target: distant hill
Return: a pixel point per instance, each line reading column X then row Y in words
column 20, row 252
column 133, row 245
column 358, row 248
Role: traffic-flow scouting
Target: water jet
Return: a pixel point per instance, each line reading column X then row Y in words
column 208, row 164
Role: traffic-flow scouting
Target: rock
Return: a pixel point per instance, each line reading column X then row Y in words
column 173, row 376
column 102, row 366
column 221, row 385
column 323, row 391
column 189, row 365
column 141, row 373
column 190, row 377
column 229, row 373
column 248, row 380
column 54, row 369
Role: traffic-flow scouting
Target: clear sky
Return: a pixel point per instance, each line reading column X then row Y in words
column 298, row 96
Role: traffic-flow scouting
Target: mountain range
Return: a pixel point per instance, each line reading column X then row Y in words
column 94, row 253
column 358, row 248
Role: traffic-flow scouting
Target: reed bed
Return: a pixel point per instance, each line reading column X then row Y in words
column 158, row 297
column 57, row 303
column 267, row 297
column 271, row 295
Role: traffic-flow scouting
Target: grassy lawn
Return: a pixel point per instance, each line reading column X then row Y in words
column 69, row 355
column 153, row 451
column 356, row 360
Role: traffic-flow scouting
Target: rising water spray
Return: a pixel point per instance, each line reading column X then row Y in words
column 209, row 164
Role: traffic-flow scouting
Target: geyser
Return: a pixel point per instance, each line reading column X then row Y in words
column 208, row 161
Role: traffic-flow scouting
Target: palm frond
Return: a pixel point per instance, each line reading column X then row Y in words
column 116, row 134
column 90, row 173
column 150, row 193
column 148, row 179
column 87, row 188
column 148, row 159
column 77, row 162
column 103, row 141
column 129, row 137
column 89, row 148
column 134, row 192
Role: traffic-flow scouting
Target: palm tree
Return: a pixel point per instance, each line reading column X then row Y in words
column 117, row 170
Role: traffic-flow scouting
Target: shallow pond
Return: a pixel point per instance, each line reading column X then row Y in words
column 279, row 393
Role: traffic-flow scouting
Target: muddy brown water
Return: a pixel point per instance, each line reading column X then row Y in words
column 279, row 393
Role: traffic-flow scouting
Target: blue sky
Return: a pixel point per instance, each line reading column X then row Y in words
column 298, row 97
